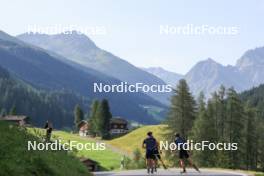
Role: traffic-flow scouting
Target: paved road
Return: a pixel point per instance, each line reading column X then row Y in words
column 171, row 172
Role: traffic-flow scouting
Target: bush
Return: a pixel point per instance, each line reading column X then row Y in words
column 138, row 162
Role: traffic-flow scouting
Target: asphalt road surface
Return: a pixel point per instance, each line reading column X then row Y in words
column 171, row 172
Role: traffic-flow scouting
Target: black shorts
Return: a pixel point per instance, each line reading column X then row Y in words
column 150, row 154
column 183, row 154
column 156, row 154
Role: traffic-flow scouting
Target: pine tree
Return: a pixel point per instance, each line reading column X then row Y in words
column 259, row 159
column 222, row 112
column 251, row 138
column 260, row 156
column 78, row 115
column 235, row 126
column 93, row 121
column 219, row 105
column 182, row 111
column 103, row 116
column 204, row 130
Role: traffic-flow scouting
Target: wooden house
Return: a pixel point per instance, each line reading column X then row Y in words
column 83, row 128
column 20, row 120
column 118, row 126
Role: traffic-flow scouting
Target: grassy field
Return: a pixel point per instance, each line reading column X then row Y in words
column 17, row 160
column 108, row 159
column 134, row 139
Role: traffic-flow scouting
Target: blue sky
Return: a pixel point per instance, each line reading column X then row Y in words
column 133, row 27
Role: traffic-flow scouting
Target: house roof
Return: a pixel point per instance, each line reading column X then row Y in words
column 14, row 117
column 82, row 123
column 118, row 120
column 88, row 160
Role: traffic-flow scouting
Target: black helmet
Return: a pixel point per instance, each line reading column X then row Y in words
column 177, row 135
column 149, row 133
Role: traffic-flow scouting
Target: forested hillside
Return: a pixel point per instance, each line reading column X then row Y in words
column 255, row 97
column 225, row 118
column 17, row 97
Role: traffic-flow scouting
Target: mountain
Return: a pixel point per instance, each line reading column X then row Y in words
column 167, row 76
column 43, row 70
column 208, row 76
column 251, row 66
column 80, row 49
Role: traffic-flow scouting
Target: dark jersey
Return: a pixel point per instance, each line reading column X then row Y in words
column 179, row 142
column 182, row 153
column 150, row 143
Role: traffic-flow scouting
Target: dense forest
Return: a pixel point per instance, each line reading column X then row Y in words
column 17, row 97
column 255, row 98
column 227, row 117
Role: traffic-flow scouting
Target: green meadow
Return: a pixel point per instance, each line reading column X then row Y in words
column 108, row 159
column 134, row 139
column 15, row 159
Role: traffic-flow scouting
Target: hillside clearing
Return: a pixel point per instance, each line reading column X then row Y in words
column 134, row 139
